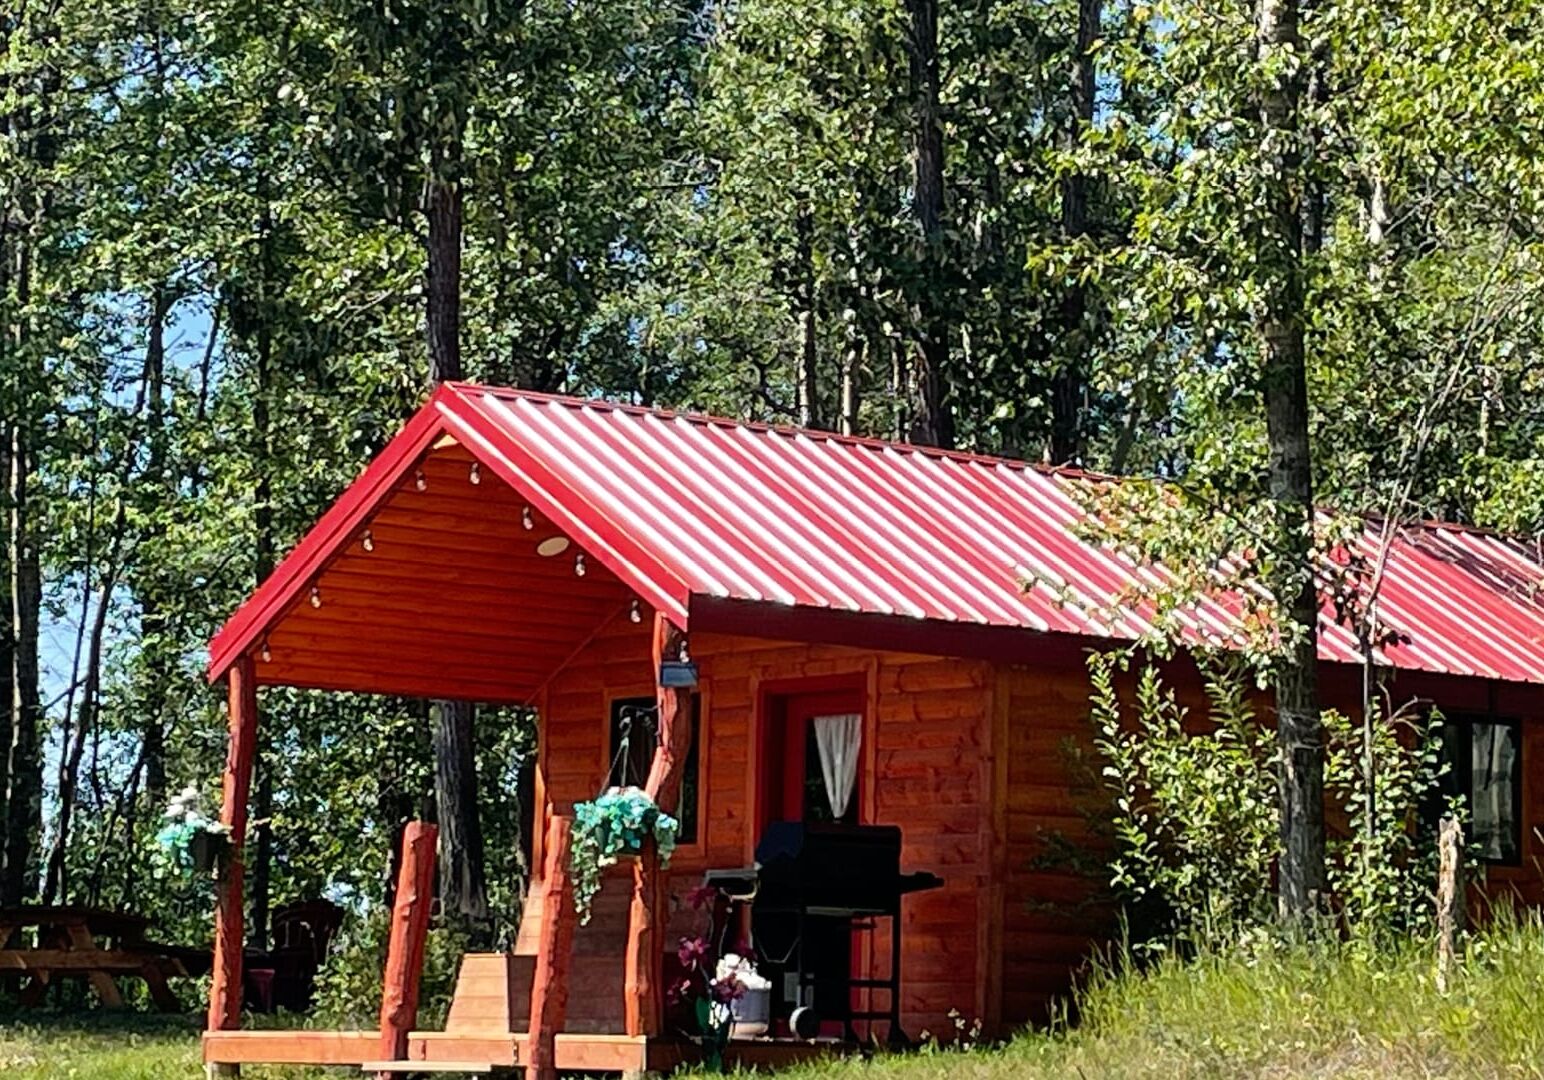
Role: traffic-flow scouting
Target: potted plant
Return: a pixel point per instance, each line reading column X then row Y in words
column 618, row 824
column 191, row 840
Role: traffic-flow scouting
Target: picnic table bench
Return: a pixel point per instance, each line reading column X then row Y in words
column 79, row 942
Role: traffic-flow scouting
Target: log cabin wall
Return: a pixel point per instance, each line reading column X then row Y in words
column 1050, row 914
column 927, row 767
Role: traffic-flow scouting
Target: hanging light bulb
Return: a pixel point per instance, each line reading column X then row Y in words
column 316, row 597
column 526, row 519
column 633, row 614
column 267, row 653
column 476, row 474
column 367, row 541
column 418, row 480
column 579, row 565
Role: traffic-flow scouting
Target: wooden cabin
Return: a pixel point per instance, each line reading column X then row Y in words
column 932, row 609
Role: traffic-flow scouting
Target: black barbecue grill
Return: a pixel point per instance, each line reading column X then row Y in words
column 811, row 887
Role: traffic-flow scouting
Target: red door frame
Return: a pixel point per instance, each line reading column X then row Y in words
column 780, row 706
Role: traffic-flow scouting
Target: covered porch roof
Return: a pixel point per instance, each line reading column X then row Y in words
column 424, row 578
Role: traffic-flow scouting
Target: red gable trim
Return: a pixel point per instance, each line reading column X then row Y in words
column 244, row 630
column 587, row 524
column 448, row 411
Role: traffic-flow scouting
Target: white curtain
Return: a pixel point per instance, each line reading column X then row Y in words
column 837, row 738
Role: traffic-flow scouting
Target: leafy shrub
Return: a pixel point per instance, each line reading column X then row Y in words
column 1195, row 815
column 348, row 988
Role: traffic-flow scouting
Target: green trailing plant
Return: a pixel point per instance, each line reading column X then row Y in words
column 621, row 822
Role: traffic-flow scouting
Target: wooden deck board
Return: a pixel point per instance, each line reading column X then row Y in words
column 474, row 1051
column 291, row 1047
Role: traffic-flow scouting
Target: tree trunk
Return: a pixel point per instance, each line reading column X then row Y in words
column 933, row 423
column 807, row 383
column 152, row 620
column 262, row 566
column 1301, row 877
column 442, row 206
column 463, row 886
column 1069, row 380
column 24, row 766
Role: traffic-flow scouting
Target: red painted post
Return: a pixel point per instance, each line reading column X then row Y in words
column 229, row 938
column 643, row 1011
column 409, row 932
column 549, row 986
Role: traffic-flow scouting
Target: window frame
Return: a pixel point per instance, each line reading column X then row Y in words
column 1465, row 721
column 695, row 757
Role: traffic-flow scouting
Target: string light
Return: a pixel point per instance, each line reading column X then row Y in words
column 476, row 474
column 526, row 519
column 316, row 596
column 579, row 565
column 267, row 653
column 367, row 541
column 418, row 480
column 633, row 614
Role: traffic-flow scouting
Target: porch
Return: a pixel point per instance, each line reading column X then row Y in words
column 436, row 576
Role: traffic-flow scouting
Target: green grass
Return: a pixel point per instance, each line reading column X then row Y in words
column 1259, row 1009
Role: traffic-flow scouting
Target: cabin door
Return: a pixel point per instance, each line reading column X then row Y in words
column 811, row 751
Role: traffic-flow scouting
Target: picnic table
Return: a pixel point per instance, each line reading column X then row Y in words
column 79, row 942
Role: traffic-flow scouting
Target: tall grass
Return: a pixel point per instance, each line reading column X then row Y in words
column 1260, row 1006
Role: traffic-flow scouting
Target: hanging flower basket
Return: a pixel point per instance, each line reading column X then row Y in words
column 619, row 824
column 190, row 841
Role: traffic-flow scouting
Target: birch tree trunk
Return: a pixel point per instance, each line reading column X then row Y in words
column 1301, row 875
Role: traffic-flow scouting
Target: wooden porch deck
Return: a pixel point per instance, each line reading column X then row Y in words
column 494, row 1052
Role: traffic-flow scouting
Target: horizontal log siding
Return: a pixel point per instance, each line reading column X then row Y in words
column 1051, row 921
column 930, row 728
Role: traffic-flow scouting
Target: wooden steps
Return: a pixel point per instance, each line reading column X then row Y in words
column 493, row 993
column 596, row 982
column 498, row 1049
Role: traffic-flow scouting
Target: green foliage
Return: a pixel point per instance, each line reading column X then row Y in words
column 348, row 986
column 1195, row 817
column 1195, row 809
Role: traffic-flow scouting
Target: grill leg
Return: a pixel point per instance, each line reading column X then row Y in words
column 897, row 1037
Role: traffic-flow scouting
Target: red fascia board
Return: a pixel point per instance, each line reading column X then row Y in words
column 609, row 542
column 335, row 529
column 892, row 633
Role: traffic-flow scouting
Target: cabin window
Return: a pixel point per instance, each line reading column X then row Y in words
column 1484, row 756
column 634, row 735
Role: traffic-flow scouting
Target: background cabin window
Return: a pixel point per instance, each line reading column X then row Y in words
column 1485, row 770
column 634, row 735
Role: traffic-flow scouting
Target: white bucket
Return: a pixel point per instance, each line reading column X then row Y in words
column 751, row 1014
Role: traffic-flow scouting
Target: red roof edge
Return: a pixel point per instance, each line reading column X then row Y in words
column 246, row 626
column 450, row 409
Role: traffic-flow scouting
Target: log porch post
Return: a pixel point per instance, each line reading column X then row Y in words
column 549, row 987
column 648, row 912
column 229, row 938
column 409, row 933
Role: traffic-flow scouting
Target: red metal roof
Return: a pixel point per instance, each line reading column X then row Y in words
column 683, row 507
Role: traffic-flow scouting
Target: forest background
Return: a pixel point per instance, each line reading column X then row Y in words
column 240, row 238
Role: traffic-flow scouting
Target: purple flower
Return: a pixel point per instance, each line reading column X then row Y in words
column 701, row 896
column 679, row 991
column 692, row 952
column 723, row 991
